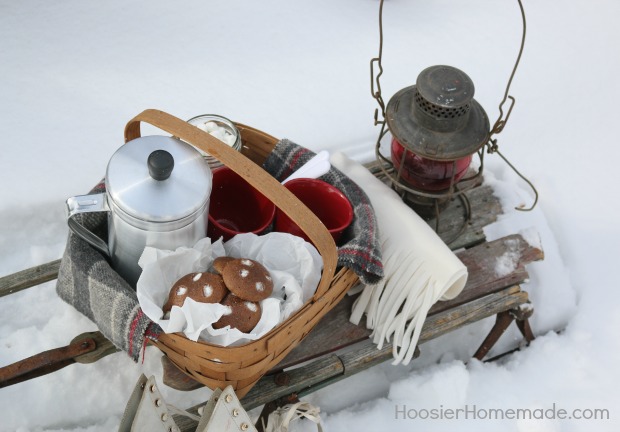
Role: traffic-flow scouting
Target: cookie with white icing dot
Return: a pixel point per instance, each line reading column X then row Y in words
column 243, row 315
column 201, row 287
column 248, row 279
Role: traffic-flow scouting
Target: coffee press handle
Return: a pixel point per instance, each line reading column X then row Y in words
column 253, row 174
column 87, row 204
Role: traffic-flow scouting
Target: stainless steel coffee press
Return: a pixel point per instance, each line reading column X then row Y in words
column 157, row 194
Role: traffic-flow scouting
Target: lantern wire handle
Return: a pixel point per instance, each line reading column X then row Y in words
column 374, row 80
column 500, row 123
column 494, row 149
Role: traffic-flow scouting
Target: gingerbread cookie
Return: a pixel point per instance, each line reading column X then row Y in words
column 220, row 262
column 244, row 314
column 201, row 287
column 247, row 279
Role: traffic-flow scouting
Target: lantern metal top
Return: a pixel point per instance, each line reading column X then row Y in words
column 438, row 117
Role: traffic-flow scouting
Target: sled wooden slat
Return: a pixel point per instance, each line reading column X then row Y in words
column 28, row 278
column 311, row 377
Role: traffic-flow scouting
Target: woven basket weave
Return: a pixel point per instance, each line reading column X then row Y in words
column 242, row 366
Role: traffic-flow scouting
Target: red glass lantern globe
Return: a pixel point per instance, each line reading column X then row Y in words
column 427, row 174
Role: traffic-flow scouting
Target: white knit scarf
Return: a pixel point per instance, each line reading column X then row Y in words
column 419, row 268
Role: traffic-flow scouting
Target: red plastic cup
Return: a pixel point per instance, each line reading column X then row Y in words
column 327, row 202
column 236, row 207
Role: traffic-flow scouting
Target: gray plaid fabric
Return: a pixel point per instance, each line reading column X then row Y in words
column 86, row 280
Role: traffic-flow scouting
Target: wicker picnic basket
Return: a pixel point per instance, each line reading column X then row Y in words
column 242, row 366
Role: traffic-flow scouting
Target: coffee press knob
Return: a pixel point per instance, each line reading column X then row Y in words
column 160, row 164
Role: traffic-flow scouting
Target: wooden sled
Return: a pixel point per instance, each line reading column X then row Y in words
column 336, row 349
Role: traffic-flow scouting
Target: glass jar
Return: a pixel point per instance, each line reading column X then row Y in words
column 221, row 128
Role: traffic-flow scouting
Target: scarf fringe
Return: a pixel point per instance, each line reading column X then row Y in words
column 397, row 307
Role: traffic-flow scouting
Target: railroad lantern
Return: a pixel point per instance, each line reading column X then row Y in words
column 437, row 128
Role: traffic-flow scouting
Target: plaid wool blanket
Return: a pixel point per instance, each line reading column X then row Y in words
column 87, row 281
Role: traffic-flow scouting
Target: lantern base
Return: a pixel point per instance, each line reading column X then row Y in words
column 432, row 209
column 426, row 208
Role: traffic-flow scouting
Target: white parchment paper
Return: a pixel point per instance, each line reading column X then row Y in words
column 295, row 266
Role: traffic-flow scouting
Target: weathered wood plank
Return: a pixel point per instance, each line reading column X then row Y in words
column 451, row 319
column 482, row 265
column 336, row 332
column 28, row 278
column 313, row 373
column 485, row 207
column 104, row 347
column 363, row 357
column 366, row 354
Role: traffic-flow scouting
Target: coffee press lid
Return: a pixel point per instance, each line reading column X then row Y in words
column 438, row 117
column 158, row 179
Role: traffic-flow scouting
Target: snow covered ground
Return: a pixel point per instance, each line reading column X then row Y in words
column 74, row 72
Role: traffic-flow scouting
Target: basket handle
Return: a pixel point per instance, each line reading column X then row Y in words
column 253, row 174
